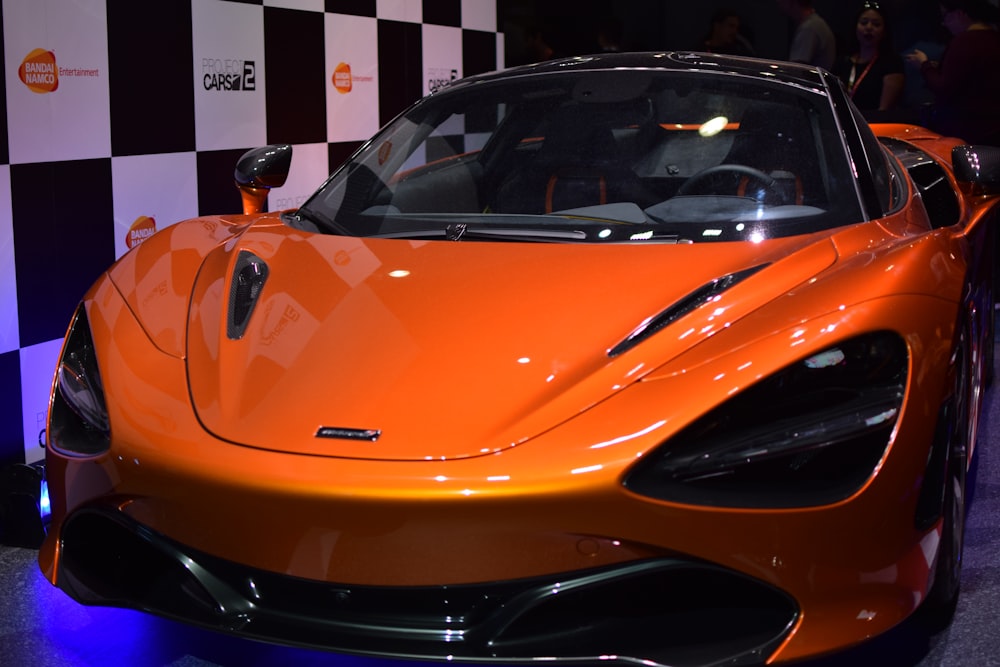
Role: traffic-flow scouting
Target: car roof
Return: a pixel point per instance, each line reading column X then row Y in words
column 679, row 61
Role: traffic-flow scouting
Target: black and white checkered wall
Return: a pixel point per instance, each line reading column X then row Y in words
column 124, row 117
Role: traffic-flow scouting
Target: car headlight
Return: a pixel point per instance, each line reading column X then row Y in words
column 811, row 434
column 78, row 415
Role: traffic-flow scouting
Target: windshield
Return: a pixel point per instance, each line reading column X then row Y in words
column 598, row 156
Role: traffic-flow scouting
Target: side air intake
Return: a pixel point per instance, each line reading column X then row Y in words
column 700, row 296
column 244, row 291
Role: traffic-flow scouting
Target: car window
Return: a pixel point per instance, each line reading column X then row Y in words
column 897, row 182
column 878, row 165
column 931, row 181
column 600, row 157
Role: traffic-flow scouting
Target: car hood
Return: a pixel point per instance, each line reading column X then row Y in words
column 430, row 350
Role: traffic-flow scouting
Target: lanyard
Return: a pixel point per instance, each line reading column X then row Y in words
column 852, row 84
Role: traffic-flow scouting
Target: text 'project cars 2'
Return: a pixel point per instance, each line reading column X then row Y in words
column 664, row 358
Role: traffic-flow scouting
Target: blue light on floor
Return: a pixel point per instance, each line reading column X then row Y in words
column 70, row 634
column 44, row 506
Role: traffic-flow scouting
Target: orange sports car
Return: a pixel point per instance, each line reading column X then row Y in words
column 666, row 358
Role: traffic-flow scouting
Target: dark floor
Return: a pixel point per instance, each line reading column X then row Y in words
column 41, row 627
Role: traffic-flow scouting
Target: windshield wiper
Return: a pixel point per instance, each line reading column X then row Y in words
column 319, row 221
column 460, row 231
column 513, row 233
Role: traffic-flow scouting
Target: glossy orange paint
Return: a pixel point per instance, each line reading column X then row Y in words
column 512, row 468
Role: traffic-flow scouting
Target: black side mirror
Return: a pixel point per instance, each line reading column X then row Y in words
column 260, row 169
column 979, row 166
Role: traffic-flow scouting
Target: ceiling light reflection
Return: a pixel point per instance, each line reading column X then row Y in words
column 713, row 126
column 630, row 436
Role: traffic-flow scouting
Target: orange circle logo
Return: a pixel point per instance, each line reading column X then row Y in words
column 39, row 72
column 342, row 80
column 141, row 229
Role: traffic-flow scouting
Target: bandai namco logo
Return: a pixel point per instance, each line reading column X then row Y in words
column 342, row 80
column 143, row 227
column 39, row 72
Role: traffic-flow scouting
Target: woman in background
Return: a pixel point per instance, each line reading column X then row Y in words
column 873, row 72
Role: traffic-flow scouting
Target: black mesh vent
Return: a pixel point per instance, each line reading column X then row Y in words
column 244, row 291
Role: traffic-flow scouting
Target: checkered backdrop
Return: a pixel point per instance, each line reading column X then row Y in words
column 124, row 117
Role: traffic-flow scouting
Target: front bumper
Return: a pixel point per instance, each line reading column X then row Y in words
column 660, row 611
column 455, row 559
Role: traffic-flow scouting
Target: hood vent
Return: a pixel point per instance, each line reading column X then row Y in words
column 700, row 296
column 244, row 291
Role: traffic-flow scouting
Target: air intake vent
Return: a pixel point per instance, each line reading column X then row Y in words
column 244, row 291
column 696, row 298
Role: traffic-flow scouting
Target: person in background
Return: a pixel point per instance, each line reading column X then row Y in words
column 813, row 42
column 724, row 35
column 966, row 82
column 538, row 43
column 873, row 73
column 609, row 35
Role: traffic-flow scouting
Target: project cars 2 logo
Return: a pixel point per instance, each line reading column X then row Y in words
column 227, row 74
column 438, row 77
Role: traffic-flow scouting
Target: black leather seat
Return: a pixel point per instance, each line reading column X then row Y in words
column 577, row 165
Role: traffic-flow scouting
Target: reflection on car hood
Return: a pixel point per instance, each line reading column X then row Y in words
column 397, row 349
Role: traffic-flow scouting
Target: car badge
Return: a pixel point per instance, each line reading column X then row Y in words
column 369, row 434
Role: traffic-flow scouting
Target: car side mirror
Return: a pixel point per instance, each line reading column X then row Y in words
column 978, row 166
column 260, row 169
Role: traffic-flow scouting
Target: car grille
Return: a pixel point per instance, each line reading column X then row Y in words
column 660, row 611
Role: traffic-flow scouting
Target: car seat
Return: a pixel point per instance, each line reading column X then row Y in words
column 577, row 165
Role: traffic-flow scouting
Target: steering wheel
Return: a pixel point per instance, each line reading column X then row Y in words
column 691, row 184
